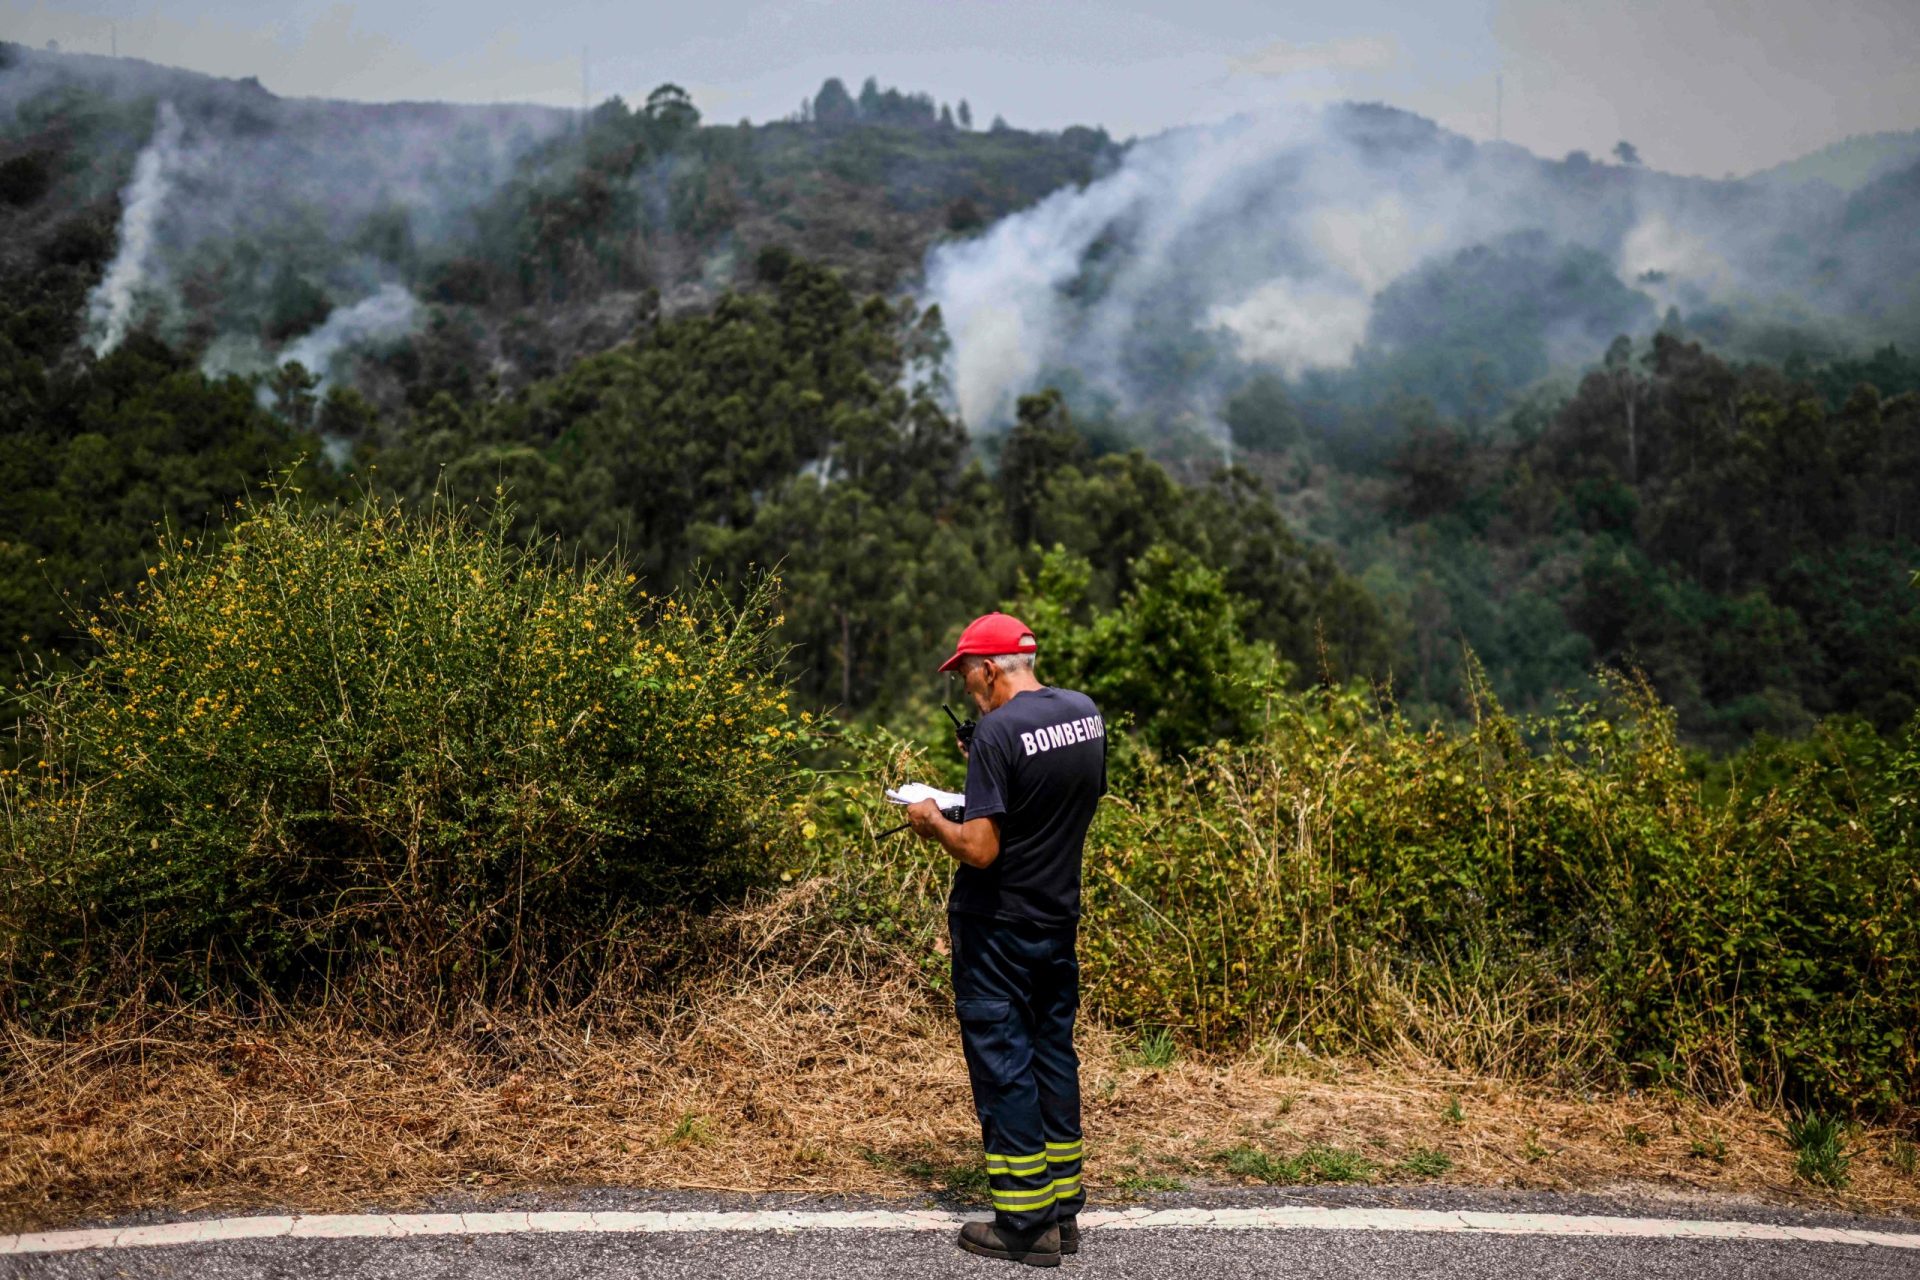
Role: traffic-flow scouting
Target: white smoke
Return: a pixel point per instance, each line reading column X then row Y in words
column 1269, row 240
column 1316, row 322
column 1275, row 232
column 1672, row 262
column 236, row 189
column 1296, row 326
column 999, row 294
column 379, row 320
column 386, row 317
column 110, row 305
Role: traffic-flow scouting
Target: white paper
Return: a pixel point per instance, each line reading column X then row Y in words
column 914, row 792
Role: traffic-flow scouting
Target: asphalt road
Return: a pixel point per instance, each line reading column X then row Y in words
column 1169, row 1252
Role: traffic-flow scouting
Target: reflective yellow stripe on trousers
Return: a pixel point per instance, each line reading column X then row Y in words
column 1038, row 1198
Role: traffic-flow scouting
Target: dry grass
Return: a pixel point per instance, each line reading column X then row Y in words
column 789, row 1070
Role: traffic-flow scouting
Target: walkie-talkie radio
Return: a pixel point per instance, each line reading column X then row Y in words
column 962, row 732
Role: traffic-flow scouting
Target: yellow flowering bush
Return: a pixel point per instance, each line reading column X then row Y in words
column 345, row 742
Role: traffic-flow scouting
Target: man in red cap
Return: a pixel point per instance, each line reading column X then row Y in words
column 1036, row 770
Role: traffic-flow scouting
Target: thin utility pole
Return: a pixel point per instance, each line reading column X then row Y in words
column 1499, row 107
column 113, row 37
column 586, row 99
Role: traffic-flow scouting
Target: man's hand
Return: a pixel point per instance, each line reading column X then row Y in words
column 925, row 818
column 961, row 742
column 975, row 841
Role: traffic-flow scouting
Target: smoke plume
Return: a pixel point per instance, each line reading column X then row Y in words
column 110, row 305
column 1276, row 241
column 248, row 215
column 385, row 317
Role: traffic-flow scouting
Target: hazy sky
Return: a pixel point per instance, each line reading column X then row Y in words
column 1700, row 86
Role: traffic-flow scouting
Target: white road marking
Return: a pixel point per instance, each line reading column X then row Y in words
column 363, row 1226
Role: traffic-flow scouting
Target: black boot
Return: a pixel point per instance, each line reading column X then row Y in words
column 991, row 1240
column 1069, row 1235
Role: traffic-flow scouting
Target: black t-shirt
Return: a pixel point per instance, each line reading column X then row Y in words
column 1039, row 763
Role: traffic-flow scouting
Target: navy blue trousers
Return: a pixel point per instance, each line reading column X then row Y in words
column 1016, row 988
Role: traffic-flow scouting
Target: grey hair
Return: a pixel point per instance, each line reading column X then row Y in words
column 1007, row 662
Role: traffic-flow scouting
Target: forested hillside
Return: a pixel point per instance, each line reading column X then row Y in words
column 708, row 347
column 473, row 570
column 1742, row 534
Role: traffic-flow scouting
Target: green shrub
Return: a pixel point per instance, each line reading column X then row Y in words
column 1551, row 898
column 1572, row 910
column 382, row 748
column 1425, row 1162
column 1312, row 1164
column 1171, row 657
column 1155, row 1049
column 1820, row 1149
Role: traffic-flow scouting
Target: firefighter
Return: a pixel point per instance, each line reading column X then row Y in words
column 1036, row 768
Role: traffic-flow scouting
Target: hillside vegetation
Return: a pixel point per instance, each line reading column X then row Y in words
column 664, row 335
column 1850, row 164
column 1534, row 693
column 395, row 764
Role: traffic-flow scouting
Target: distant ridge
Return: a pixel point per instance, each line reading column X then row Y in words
column 28, row 71
column 1849, row 164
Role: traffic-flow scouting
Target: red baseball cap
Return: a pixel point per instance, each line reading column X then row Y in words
column 989, row 634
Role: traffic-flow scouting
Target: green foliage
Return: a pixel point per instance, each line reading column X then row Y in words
column 1554, row 897
column 804, row 427
column 1889, row 372
column 692, row 1130
column 1261, row 416
column 1114, row 510
column 797, row 428
column 833, row 104
column 1157, row 1048
column 1425, row 1162
column 1313, row 1164
column 1820, row 1149
column 1715, row 526
column 1137, row 1184
column 966, row 1182
column 380, row 748
column 1041, row 443
column 1464, row 331
column 1171, row 656
column 96, row 456
column 1556, row 893
column 1737, row 532
column 1277, row 879
column 1710, row 1147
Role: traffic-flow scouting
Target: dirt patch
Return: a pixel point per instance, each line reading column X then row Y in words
column 790, row 1080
